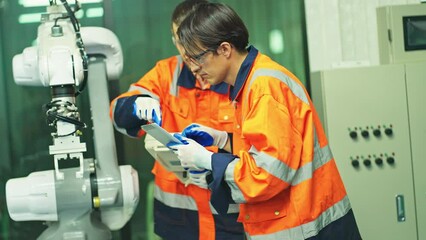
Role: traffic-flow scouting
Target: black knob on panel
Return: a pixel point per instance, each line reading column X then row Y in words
column 367, row 162
column 365, row 133
column 377, row 132
column 390, row 160
column 389, row 131
column 355, row 163
column 353, row 134
column 379, row 161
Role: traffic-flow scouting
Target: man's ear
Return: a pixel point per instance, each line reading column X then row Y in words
column 225, row 49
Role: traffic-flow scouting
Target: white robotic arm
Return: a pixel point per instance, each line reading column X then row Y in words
column 69, row 198
column 56, row 60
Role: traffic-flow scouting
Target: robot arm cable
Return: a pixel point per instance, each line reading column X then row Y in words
column 64, row 111
column 71, row 14
column 79, row 40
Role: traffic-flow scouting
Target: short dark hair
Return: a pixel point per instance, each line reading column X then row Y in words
column 209, row 25
column 183, row 9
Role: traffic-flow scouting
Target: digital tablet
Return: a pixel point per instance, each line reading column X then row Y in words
column 160, row 134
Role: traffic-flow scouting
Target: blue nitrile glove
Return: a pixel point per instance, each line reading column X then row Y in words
column 198, row 177
column 147, row 108
column 206, row 136
column 191, row 154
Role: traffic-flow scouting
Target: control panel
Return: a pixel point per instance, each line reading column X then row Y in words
column 366, row 115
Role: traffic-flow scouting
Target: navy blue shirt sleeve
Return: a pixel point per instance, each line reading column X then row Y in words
column 125, row 117
column 221, row 195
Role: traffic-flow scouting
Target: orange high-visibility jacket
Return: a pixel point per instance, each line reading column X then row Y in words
column 181, row 212
column 282, row 170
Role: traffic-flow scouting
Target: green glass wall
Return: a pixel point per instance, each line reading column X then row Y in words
column 143, row 27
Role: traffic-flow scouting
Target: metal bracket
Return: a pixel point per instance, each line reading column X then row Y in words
column 400, row 208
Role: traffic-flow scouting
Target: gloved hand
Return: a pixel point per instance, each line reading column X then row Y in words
column 206, row 136
column 198, row 177
column 147, row 108
column 191, row 154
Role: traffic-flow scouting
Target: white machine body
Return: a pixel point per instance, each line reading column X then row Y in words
column 32, row 198
column 66, row 197
column 55, row 60
column 116, row 218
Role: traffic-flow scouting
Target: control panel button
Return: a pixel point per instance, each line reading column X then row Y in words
column 389, row 131
column 377, row 132
column 355, row 163
column 353, row 134
column 367, row 162
column 390, row 160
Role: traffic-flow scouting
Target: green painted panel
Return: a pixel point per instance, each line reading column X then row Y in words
column 4, row 146
column 286, row 17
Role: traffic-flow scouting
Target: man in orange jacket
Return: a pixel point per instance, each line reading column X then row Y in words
column 171, row 96
column 281, row 169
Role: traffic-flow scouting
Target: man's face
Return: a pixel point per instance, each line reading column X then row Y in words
column 210, row 64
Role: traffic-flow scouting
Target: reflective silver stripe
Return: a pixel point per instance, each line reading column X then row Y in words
column 233, row 208
column 321, row 156
column 312, row 228
column 236, row 193
column 279, row 169
column 287, row 174
column 272, row 165
column 175, row 200
column 293, row 85
column 176, row 73
column 185, row 202
column 143, row 91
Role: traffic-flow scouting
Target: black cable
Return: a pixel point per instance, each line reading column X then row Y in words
column 56, row 20
column 53, row 115
column 71, row 14
column 79, row 43
column 70, row 120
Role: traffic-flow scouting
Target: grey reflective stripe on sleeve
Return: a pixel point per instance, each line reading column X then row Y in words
column 233, row 208
column 186, row 202
column 293, row 85
column 143, row 91
column 176, row 73
column 279, row 169
column 287, row 174
column 322, row 155
column 272, row 165
column 236, row 193
column 175, row 200
column 312, row 228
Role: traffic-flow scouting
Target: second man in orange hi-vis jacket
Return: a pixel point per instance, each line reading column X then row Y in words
column 281, row 169
column 171, row 96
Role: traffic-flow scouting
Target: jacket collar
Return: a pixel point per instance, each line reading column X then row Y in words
column 243, row 73
column 187, row 80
